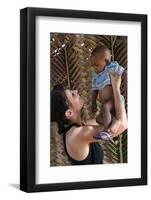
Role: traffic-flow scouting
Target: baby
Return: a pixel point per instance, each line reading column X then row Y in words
column 101, row 83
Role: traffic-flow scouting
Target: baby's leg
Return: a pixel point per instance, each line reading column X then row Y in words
column 105, row 116
column 106, row 112
column 99, row 119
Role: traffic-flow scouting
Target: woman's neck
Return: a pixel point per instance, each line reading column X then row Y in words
column 77, row 120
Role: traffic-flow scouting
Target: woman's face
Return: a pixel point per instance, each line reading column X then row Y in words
column 75, row 100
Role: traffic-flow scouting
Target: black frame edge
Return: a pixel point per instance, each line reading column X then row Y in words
column 144, row 141
column 87, row 185
column 27, row 100
column 87, row 14
column 23, row 99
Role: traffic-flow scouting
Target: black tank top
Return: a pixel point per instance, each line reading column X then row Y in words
column 95, row 155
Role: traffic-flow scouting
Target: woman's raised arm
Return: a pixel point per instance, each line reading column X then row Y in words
column 120, row 112
column 119, row 123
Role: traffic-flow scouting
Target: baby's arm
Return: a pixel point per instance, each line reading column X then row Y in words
column 119, row 107
column 94, row 97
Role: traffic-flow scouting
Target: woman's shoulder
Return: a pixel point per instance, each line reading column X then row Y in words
column 87, row 126
column 85, row 133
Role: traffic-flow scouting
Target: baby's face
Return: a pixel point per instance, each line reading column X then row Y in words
column 98, row 61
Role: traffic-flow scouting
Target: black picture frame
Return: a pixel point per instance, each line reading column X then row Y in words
column 28, row 98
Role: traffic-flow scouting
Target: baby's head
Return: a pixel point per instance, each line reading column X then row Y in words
column 100, row 57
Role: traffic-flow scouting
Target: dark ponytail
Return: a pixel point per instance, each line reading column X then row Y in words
column 59, row 105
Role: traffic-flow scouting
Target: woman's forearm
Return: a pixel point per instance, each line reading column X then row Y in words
column 120, row 112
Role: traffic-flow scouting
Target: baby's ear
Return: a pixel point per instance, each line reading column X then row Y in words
column 108, row 61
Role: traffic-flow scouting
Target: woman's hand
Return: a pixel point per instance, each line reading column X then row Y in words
column 114, row 127
column 120, row 124
column 115, row 79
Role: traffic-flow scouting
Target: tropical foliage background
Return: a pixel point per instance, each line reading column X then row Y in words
column 70, row 65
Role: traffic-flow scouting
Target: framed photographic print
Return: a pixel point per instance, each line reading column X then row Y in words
column 83, row 99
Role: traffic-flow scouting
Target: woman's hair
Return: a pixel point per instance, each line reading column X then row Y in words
column 59, row 105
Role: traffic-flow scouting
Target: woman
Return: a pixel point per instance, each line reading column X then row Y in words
column 79, row 139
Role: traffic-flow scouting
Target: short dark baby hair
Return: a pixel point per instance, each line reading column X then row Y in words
column 100, row 49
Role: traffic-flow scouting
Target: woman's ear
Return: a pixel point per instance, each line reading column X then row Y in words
column 69, row 113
